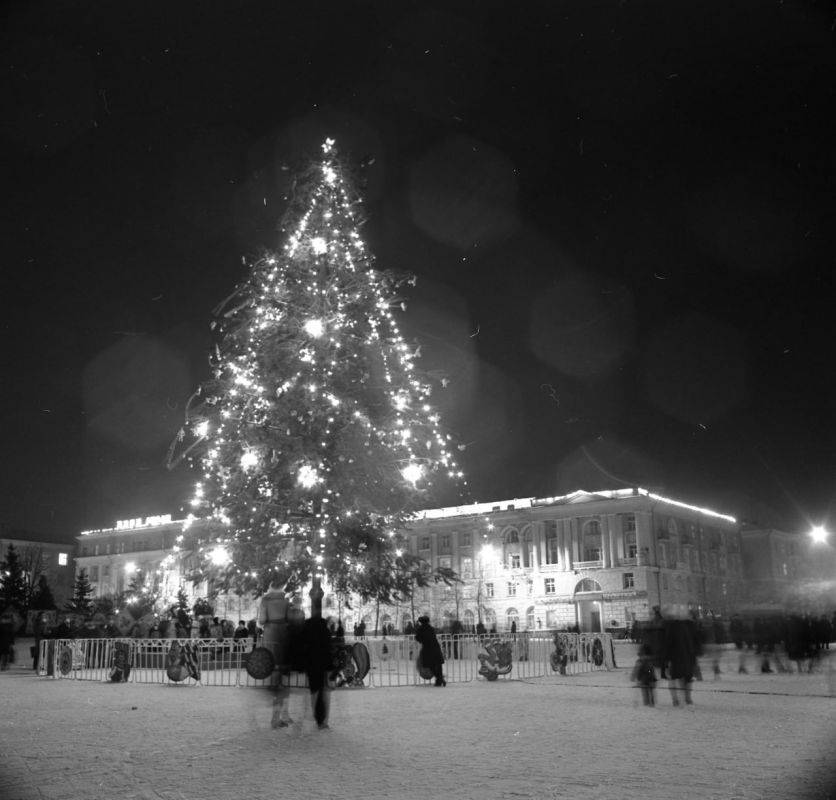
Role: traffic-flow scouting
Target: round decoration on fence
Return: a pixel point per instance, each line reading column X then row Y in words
column 260, row 663
column 65, row 661
column 360, row 654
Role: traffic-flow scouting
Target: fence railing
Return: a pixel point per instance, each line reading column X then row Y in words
column 391, row 659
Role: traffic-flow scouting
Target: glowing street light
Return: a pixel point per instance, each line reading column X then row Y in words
column 220, row 556
column 819, row 534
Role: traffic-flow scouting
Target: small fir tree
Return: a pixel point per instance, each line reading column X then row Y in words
column 179, row 612
column 81, row 602
column 314, row 440
column 42, row 599
column 13, row 590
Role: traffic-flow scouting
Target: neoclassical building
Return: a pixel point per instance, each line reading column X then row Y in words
column 598, row 560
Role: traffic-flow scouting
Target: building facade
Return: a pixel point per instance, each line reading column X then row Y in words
column 596, row 560
column 55, row 561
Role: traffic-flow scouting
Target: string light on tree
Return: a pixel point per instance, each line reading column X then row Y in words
column 315, row 437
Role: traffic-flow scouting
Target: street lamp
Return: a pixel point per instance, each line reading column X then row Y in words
column 819, row 534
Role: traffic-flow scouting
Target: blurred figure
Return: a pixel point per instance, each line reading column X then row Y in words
column 431, row 656
column 738, row 633
column 318, row 659
column 42, row 628
column 272, row 617
column 681, row 657
column 653, row 636
column 7, row 639
column 644, row 676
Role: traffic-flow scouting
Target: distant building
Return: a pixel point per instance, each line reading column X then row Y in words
column 783, row 569
column 137, row 549
column 55, row 561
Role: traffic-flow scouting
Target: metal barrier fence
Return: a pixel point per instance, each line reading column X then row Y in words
column 392, row 659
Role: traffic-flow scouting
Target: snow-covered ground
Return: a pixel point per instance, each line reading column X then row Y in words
column 584, row 736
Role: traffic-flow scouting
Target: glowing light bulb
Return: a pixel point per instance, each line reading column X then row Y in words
column 319, row 245
column 314, row 327
column 412, row 473
column 249, row 460
column 307, row 477
column 220, row 556
column 201, row 429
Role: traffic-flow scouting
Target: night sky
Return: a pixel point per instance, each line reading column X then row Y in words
column 620, row 215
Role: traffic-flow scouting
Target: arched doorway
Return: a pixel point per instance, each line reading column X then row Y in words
column 511, row 616
column 468, row 621
column 589, row 600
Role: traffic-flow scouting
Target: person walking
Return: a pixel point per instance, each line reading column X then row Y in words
column 430, row 654
column 318, row 658
column 272, row 617
column 644, row 675
column 681, row 658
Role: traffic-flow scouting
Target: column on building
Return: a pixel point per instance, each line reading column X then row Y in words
column 616, row 542
column 537, row 529
column 564, row 542
column 604, row 527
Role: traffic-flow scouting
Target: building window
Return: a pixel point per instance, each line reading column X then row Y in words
column 629, row 523
column 465, row 540
column 425, row 543
column 515, row 560
column 94, row 573
column 592, row 542
column 445, row 561
column 528, row 549
column 107, row 549
column 512, row 537
column 488, row 590
column 512, row 589
column 467, row 567
column 106, row 571
column 62, row 559
column 549, row 585
column 628, row 581
column 551, row 543
column 630, row 547
column 529, row 587
column 444, row 543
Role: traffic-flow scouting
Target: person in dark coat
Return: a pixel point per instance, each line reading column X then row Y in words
column 7, row 639
column 681, row 657
column 644, row 675
column 653, row 635
column 319, row 657
column 431, row 656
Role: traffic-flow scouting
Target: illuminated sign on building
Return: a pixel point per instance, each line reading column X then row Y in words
column 139, row 522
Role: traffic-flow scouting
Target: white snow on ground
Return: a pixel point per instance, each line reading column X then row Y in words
column 747, row 736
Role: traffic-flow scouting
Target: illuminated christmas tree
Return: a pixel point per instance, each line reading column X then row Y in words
column 315, row 438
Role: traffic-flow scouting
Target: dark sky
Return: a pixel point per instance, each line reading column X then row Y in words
column 620, row 215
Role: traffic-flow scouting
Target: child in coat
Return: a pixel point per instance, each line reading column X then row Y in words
column 644, row 675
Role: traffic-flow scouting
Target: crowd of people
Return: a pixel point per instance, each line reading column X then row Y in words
column 669, row 648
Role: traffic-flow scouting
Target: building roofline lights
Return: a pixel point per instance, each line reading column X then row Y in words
column 531, row 502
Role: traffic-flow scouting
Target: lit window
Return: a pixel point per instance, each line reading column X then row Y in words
column 512, row 589
column 467, row 567
column 549, row 585
column 515, row 561
column 628, row 580
column 488, row 590
column 62, row 559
